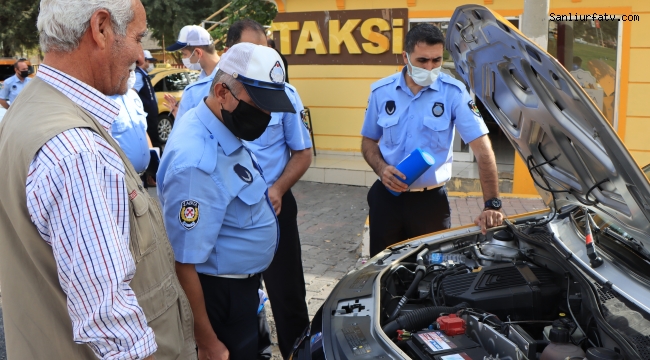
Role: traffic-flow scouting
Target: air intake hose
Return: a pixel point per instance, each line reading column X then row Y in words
column 420, row 318
column 419, row 274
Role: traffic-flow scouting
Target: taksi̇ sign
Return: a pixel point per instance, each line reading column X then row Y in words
column 351, row 37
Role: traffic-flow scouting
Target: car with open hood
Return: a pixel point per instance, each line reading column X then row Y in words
column 568, row 282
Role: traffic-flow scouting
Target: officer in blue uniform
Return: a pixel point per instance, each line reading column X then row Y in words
column 130, row 127
column 284, row 153
column 220, row 221
column 15, row 83
column 145, row 63
column 148, row 97
column 198, row 53
column 421, row 107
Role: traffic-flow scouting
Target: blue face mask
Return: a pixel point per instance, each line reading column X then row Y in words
column 420, row 76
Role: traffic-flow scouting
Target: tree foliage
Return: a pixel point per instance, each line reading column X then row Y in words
column 261, row 11
column 166, row 18
column 18, row 30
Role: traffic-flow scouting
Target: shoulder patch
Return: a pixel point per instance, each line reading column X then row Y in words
column 474, row 108
column 189, row 214
column 385, row 81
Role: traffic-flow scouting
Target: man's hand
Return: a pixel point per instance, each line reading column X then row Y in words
column 488, row 219
column 276, row 199
column 171, row 103
column 390, row 181
column 216, row 350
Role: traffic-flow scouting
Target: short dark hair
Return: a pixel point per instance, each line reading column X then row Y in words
column 423, row 33
column 21, row 60
column 238, row 27
column 270, row 42
column 207, row 48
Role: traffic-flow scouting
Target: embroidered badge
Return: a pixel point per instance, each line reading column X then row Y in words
column 189, row 214
column 132, row 195
column 303, row 116
column 277, row 74
column 243, row 173
column 390, row 107
column 473, row 107
column 438, row 109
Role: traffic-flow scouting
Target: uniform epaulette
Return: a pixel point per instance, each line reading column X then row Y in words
column 290, row 87
column 450, row 80
column 199, row 82
column 385, row 81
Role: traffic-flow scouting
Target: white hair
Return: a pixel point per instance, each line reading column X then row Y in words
column 62, row 23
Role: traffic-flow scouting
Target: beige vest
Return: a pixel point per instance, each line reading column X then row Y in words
column 36, row 321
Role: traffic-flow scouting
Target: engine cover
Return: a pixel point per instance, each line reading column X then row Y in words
column 520, row 291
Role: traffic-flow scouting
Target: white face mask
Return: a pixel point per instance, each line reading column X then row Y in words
column 420, row 76
column 191, row 65
column 131, row 82
column 150, row 68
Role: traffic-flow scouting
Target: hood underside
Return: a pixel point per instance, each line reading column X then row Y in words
column 549, row 119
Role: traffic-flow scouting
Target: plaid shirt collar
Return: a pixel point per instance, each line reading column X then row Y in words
column 90, row 99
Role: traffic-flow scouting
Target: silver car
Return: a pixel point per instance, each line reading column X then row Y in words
column 569, row 282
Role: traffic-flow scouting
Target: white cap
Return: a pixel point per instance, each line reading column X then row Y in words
column 191, row 35
column 261, row 71
column 147, row 56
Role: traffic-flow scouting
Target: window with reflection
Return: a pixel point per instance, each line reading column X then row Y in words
column 176, row 82
column 588, row 50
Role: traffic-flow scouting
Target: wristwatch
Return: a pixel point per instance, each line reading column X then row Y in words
column 493, row 204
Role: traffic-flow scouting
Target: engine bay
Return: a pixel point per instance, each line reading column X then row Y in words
column 504, row 295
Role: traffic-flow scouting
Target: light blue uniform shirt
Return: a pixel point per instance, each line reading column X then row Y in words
column 12, row 87
column 285, row 132
column 139, row 83
column 403, row 122
column 203, row 74
column 215, row 204
column 195, row 92
column 130, row 129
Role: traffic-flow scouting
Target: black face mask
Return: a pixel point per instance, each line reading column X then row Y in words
column 24, row 74
column 246, row 121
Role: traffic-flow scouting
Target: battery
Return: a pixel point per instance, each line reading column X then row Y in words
column 433, row 343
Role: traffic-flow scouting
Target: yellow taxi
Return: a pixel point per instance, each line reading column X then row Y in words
column 173, row 81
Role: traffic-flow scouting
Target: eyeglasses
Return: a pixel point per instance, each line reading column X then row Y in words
column 227, row 88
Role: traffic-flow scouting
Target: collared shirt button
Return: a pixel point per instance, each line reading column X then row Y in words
column 211, row 136
column 411, row 117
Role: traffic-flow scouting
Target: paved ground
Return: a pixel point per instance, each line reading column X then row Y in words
column 331, row 219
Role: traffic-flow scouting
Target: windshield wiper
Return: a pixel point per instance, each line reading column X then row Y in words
column 628, row 241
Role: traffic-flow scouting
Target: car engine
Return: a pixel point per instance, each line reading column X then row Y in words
column 499, row 296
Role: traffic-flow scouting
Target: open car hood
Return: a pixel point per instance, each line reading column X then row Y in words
column 548, row 117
